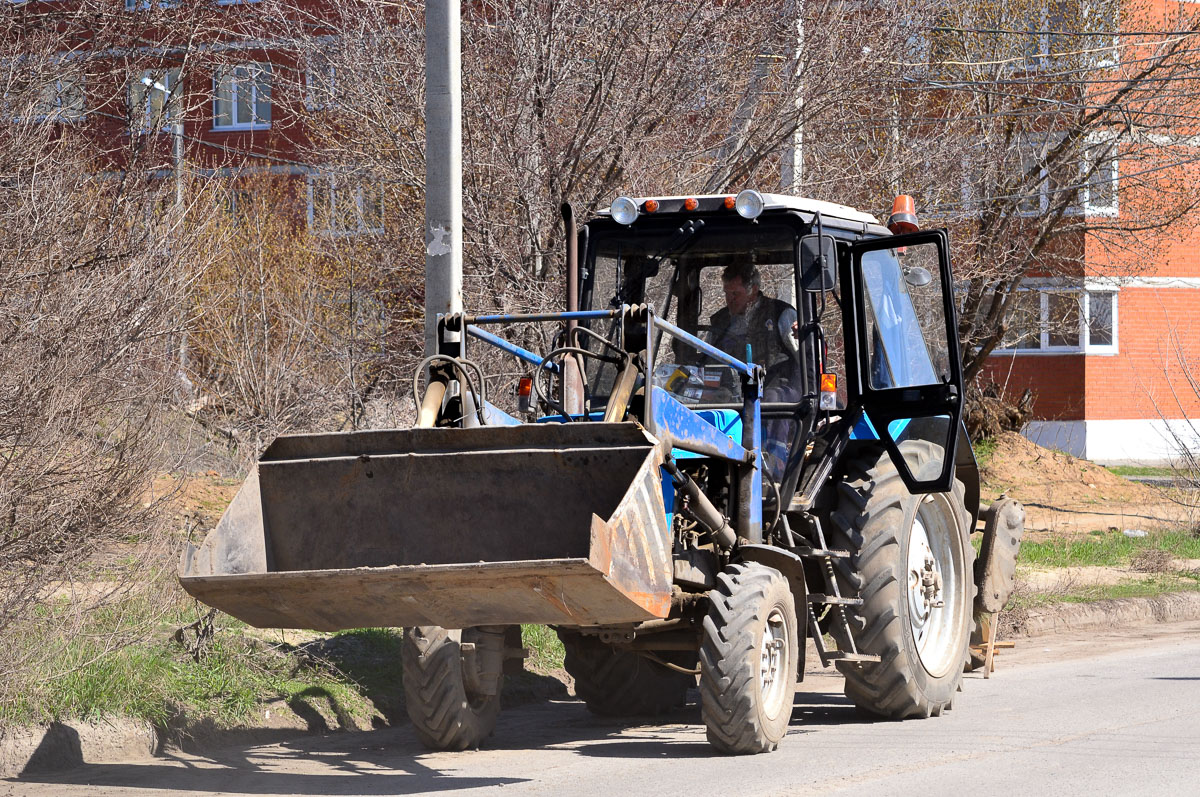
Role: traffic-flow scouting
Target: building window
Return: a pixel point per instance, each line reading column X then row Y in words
column 1062, row 319
column 61, row 100
column 1099, row 192
column 320, row 79
column 1086, row 180
column 1100, row 331
column 344, row 206
column 242, row 97
column 239, row 202
column 146, row 5
column 155, row 100
column 1052, row 41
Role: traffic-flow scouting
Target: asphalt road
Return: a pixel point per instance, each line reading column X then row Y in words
column 1088, row 715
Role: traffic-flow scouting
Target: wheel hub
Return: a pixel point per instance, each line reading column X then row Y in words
column 773, row 663
column 931, row 581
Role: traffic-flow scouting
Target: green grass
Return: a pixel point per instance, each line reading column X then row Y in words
column 985, row 449
column 345, row 679
column 1159, row 585
column 1141, row 470
column 545, row 650
column 1107, row 548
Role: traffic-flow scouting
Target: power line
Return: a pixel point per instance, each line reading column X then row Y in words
column 1007, row 31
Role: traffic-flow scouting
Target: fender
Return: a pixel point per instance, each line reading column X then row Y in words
column 792, row 567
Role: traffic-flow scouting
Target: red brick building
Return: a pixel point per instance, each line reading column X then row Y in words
column 202, row 89
column 1112, row 353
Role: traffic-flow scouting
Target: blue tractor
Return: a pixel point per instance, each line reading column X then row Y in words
column 746, row 431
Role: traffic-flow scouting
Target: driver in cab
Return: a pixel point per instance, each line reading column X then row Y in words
column 768, row 326
column 751, row 317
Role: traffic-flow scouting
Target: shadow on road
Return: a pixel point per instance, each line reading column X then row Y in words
column 824, row 709
column 392, row 761
column 382, row 762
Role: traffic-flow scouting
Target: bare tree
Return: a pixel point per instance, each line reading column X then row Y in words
column 565, row 101
column 289, row 322
column 99, row 249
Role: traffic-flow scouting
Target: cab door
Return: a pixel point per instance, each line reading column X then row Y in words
column 908, row 373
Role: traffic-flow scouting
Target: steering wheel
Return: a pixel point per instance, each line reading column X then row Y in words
column 544, row 397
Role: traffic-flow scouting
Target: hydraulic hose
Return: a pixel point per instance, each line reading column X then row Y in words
column 702, row 508
column 460, row 365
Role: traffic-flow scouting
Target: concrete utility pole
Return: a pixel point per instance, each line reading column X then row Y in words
column 443, row 165
column 792, row 166
column 175, row 116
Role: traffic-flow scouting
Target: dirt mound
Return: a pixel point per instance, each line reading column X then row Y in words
column 1062, row 493
column 201, row 497
column 1021, row 467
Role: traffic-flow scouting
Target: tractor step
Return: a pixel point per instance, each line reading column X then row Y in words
column 833, row 600
column 804, row 550
column 842, row 655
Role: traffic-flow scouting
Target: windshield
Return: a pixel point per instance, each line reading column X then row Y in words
column 701, row 283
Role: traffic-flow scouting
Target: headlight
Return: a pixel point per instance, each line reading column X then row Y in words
column 624, row 210
column 749, row 204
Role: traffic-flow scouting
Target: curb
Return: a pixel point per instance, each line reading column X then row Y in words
column 60, row 746
column 1063, row 618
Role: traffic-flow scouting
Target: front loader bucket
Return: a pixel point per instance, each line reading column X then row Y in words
column 546, row 523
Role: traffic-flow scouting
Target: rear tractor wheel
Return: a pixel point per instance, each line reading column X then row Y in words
column 911, row 565
column 748, row 660
column 452, row 683
column 621, row 683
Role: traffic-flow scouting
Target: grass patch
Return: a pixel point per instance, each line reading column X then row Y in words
column 1141, row 470
column 985, row 449
column 1160, row 585
column 1108, row 549
column 545, row 650
column 350, row 679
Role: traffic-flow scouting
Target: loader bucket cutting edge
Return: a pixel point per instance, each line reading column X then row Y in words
column 547, row 523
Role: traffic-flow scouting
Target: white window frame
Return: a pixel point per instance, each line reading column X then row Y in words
column 334, row 183
column 52, row 101
column 1045, row 58
column 147, row 5
column 1112, row 59
column 230, row 72
column 141, row 113
column 1100, row 348
column 1083, row 294
column 1083, row 205
column 1113, row 208
column 328, row 75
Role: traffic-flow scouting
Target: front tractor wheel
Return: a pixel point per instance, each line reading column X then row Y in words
column 452, row 683
column 911, row 565
column 748, row 660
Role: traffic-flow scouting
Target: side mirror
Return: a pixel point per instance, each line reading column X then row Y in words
column 818, row 263
column 917, row 276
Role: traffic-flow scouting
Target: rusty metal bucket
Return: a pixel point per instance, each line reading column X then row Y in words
column 547, row 523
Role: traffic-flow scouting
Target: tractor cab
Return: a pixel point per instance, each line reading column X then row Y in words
column 816, row 281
